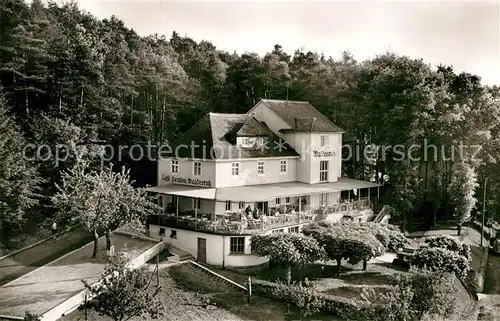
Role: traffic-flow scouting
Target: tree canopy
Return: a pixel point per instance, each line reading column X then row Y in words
column 70, row 77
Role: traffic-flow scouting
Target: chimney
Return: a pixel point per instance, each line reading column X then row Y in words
column 312, row 123
column 295, row 119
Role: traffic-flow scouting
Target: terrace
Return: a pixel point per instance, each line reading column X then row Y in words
column 237, row 222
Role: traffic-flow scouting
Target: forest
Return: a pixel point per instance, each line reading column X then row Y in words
column 70, row 78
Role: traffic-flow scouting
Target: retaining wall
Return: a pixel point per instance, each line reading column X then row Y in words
column 75, row 301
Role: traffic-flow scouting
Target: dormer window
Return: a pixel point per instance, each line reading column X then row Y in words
column 251, row 142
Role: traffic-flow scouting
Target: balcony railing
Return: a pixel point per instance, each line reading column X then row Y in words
column 231, row 223
column 225, row 226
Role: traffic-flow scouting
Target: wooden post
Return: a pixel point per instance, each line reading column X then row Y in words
column 157, row 270
column 249, row 290
column 176, row 208
column 85, row 308
column 359, row 194
column 349, row 195
column 378, row 198
column 195, row 212
column 300, row 206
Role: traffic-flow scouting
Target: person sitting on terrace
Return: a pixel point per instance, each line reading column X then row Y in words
column 248, row 210
column 256, row 214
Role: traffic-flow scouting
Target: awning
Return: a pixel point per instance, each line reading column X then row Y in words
column 184, row 190
column 267, row 192
column 261, row 193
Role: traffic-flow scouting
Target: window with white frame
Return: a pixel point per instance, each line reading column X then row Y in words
column 294, row 229
column 287, row 200
column 324, row 140
column 196, row 203
column 235, row 169
column 228, row 205
column 237, row 245
column 283, row 166
column 175, row 166
column 241, row 205
column 323, row 199
column 260, row 168
column 260, row 141
column 197, row 168
column 323, row 171
column 278, row 201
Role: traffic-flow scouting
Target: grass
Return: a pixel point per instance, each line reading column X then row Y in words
column 322, row 277
column 179, row 305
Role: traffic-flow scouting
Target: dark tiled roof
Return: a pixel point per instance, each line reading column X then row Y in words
column 211, row 139
column 301, row 116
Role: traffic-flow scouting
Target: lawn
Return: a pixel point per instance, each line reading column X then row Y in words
column 322, row 277
column 186, row 293
column 52, row 284
column 179, row 305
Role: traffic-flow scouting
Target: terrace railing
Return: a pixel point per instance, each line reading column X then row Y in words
column 225, row 226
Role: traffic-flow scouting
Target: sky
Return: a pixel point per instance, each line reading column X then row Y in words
column 462, row 34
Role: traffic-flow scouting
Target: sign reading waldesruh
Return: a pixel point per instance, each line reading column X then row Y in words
column 186, row 181
column 323, row 153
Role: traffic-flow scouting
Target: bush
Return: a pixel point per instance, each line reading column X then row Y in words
column 308, row 299
column 412, row 296
column 451, row 244
column 440, row 260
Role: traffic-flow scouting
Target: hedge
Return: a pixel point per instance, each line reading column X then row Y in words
column 301, row 296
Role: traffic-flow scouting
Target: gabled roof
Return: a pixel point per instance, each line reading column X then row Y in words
column 301, row 116
column 208, row 139
column 249, row 127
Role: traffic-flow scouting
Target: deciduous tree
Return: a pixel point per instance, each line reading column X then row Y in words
column 122, row 293
column 101, row 200
column 290, row 249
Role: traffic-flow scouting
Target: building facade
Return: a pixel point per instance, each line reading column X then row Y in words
column 272, row 169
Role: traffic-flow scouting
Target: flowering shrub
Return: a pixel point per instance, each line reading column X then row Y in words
column 450, row 243
column 440, row 260
column 290, row 249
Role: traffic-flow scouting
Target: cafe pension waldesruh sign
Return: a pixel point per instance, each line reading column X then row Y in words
column 186, row 181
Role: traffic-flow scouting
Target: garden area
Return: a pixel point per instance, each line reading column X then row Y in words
column 329, row 270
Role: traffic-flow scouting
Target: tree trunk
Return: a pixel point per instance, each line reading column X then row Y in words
column 96, row 239
column 459, row 229
column 339, row 267
column 108, row 240
column 288, row 274
column 365, row 264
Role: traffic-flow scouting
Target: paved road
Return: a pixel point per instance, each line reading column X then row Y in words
column 25, row 261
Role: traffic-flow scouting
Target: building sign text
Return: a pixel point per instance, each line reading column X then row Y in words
column 322, row 153
column 185, row 181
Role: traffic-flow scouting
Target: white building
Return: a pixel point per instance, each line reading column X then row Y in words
column 282, row 158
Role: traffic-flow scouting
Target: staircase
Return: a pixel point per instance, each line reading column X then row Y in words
column 179, row 255
column 384, row 214
column 217, row 278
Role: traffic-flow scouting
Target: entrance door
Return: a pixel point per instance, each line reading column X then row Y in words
column 263, row 206
column 202, row 251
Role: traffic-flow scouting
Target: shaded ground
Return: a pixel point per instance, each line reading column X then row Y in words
column 179, row 305
column 378, row 277
column 50, row 285
column 490, row 304
column 25, row 261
